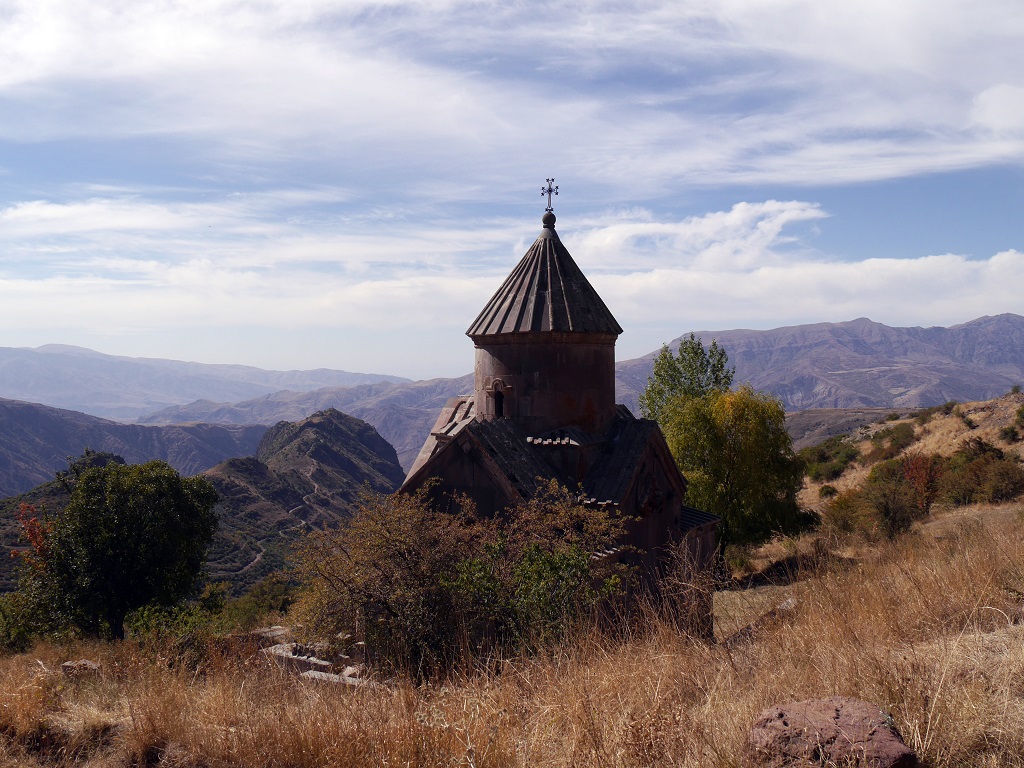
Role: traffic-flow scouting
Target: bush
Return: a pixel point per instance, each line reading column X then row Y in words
column 1003, row 481
column 980, row 472
column 895, row 503
column 829, row 459
column 426, row 587
column 849, row 513
column 827, row 491
column 16, row 627
column 1009, row 434
column 919, row 474
column 895, row 494
column 889, row 442
column 268, row 599
column 1015, row 389
column 892, row 417
column 1020, row 415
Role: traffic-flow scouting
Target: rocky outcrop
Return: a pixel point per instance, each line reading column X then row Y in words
column 826, row 732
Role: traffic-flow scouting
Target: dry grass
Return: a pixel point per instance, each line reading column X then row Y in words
column 925, row 627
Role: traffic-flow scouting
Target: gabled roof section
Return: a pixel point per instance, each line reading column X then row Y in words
column 522, row 465
column 546, row 292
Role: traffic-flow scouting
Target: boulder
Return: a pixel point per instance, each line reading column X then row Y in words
column 832, row 731
column 80, row 669
column 784, row 611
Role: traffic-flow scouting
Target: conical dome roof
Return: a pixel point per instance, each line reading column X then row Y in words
column 546, row 292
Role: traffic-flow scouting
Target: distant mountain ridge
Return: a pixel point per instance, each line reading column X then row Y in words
column 36, row 441
column 864, row 364
column 402, row 413
column 856, row 364
column 128, row 387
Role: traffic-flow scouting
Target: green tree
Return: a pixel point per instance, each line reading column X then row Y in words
column 692, row 372
column 129, row 536
column 735, row 452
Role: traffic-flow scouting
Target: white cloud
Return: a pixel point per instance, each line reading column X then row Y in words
column 750, row 266
column 1000, row 109
column 758, row 90
column 349, row 165
column 748, row 235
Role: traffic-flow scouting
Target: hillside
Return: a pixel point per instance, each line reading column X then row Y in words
column 304, row 475
column 996, row 422
column 928, row 628
column 128, row 387
column 36, row 441
column 402, row 413
column 815, row 425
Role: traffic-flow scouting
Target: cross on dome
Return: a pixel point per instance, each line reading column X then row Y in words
column 549, row 191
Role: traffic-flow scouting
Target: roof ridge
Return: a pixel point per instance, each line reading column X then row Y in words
column 545, row 292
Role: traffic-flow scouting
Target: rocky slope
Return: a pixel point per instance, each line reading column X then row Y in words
column 305, row 475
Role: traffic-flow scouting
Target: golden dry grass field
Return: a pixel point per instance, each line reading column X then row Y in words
column 928, row 627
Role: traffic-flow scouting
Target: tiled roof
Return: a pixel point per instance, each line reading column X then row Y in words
column 523, row 459
column 609, row 477
column 695, row 518
column 519, row 461
column 546, row 292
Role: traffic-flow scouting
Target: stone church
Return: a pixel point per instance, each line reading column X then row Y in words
column 543, row 407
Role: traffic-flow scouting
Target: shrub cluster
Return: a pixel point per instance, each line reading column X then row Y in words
column 980, row 472
column 899, row 491
column 924, row 415
column 426, row 587
column 829, row 459
column 890, row 442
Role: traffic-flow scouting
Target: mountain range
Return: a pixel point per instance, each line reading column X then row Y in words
column 36, row 441
column 126, row 388
column 863, row 364
column 856, row 364
column 402, row 413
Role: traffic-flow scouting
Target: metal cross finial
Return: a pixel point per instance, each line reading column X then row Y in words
column 549, row 191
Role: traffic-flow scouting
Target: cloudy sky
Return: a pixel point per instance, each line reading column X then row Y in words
column 343, row 184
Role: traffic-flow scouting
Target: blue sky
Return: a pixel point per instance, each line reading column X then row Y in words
column 344, row 184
